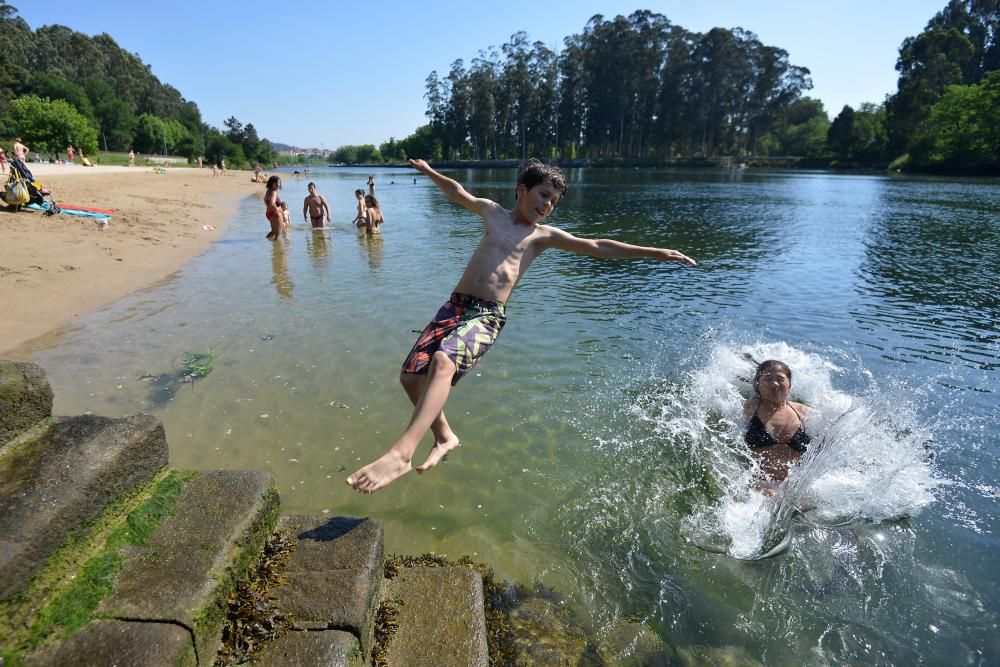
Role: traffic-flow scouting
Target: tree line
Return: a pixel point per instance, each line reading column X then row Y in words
column 58, row 86
column 642, row 88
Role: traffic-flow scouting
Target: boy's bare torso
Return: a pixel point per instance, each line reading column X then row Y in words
column 504, row 253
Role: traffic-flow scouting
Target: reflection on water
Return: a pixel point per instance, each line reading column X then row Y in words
column 318, row 243
column 279, row 268
column 371, row 248
column 601, row 450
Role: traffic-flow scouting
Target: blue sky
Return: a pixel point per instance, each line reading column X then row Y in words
column 328, row 73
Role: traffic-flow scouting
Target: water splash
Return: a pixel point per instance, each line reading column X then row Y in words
column 869, row 459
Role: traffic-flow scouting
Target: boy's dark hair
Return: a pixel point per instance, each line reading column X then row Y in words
column 359, row 191
column 311, row 185
column 535, row 172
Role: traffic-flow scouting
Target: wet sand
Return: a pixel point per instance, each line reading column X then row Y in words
column 56, row 268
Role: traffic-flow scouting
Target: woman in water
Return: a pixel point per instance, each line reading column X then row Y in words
column 272, row 207
column 775, row 432
column 373, row 215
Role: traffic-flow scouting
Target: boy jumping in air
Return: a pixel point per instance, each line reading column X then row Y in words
column 468, row 324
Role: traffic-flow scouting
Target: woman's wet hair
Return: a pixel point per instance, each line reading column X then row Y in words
column 272, row 182
column 535, row 172
column 371, row 201
column 769, row 366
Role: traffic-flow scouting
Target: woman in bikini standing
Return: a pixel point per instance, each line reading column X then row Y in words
column 775, row 432
column 272, row 207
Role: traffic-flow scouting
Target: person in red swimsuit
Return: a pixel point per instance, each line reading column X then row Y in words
column 272, row 207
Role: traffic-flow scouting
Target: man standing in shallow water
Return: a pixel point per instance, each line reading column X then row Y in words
column 315, row 207
column 470, row 322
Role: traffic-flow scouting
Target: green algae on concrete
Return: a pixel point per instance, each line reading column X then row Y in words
column 188, row 567
column 54, row 486
column 25, row 398
column 66, row 592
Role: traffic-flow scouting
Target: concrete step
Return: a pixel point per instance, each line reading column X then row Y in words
column 325, row 648
column 440, row 618
column 25, row 398
column 54, row 485
column 333, row 579
column 185, row 571
column 115, row 643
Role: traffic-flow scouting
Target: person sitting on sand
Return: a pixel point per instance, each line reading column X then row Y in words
column 470, row 322
column 315, row 208
column 775, row 431
column 359, row 219
column 373, row 215
column 272, row 207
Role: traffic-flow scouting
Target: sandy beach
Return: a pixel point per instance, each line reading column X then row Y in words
column 55, row 268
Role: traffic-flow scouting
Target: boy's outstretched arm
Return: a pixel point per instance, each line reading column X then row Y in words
column 609, row 249
column 453, row 189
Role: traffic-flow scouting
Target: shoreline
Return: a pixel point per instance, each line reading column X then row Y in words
column 56, row 268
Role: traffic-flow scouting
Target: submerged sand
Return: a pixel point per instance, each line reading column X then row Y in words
column 56, row 268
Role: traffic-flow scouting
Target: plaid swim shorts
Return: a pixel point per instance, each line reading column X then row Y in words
column 464, row 328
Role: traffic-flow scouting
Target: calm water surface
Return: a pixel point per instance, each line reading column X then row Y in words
column 601, row 436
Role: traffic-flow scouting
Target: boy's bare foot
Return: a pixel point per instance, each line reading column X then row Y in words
column 379, row 473
column 438, row 452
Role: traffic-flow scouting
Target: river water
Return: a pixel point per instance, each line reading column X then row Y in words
column 601, row 436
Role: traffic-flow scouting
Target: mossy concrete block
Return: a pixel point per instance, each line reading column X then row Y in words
column 53, row 486
column 188, row 566
column 545, row 635
column 327, row 648
column 440, row 618
column 334, row 577
column 634, row 645
column 114, row 643
column 25, row 398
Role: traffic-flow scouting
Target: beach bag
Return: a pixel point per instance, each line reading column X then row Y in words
column 15, row 193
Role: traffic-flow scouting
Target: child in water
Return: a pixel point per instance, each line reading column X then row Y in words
column 286, row 217
column 468, row 324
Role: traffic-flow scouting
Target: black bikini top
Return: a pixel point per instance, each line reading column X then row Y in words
column 757, row 435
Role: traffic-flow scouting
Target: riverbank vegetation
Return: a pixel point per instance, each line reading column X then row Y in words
column 640, row 89
column 58, row 86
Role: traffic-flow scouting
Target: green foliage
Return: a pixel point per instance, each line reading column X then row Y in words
column 115, row 121
column 52, row 86
column 113, row 89
column 634, row 86
column 800, row 129
column 48, row 126
column 962, row 128
column 199, row 364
